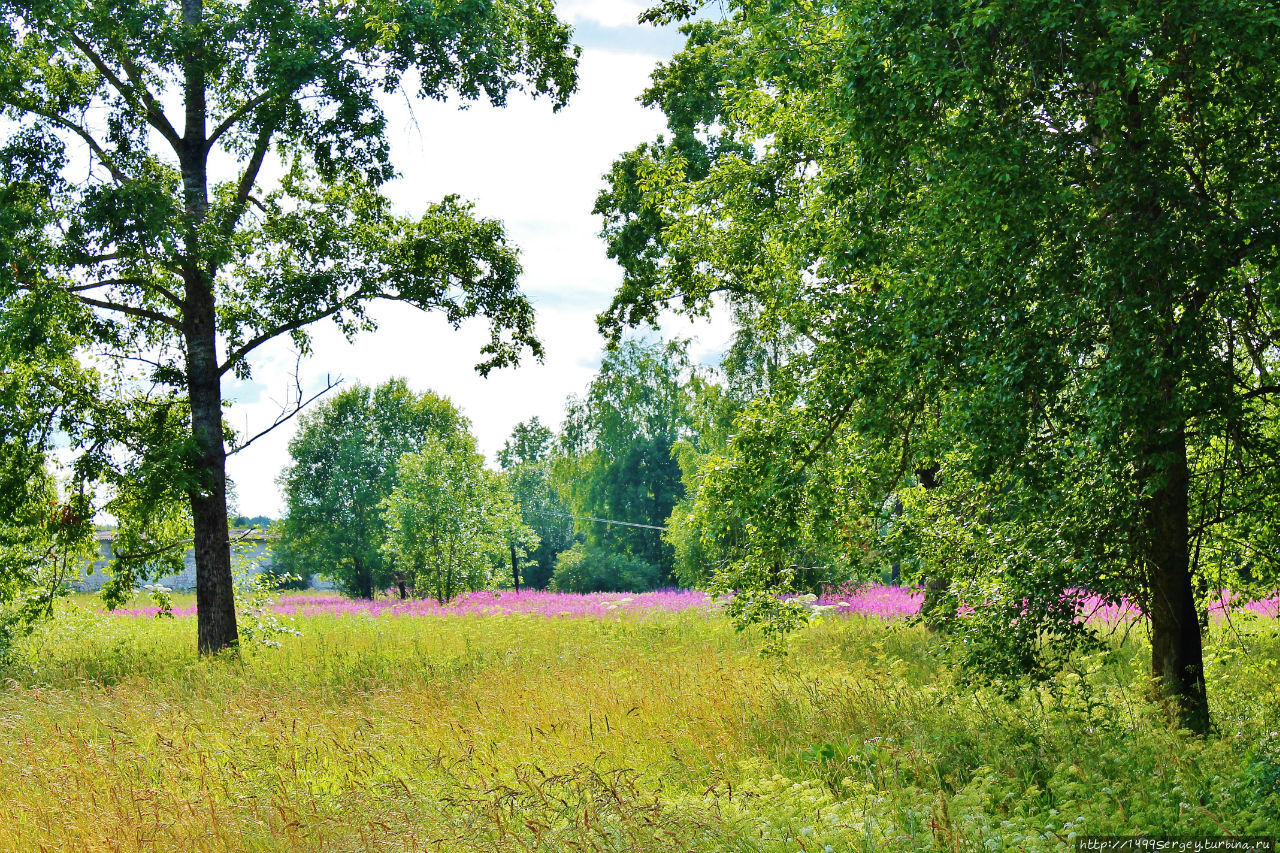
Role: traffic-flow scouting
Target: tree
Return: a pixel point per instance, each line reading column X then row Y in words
column 342, row 466
column 191, row 271
column 526, row 465
column 1044, row 235
column 451, row 520
column 615, row 461
column 530, row 441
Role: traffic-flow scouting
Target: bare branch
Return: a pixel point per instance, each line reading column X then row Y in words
column 290, row 411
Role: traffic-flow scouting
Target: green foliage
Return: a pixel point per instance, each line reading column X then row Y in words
column 616, row 458
column 44, row 543
column 256, row 597
column 584, row 568
column 450, row 522
column 343, row 464
column 46, row 537
column 1040, row 237
column 526, row 460
column 531, row 441
column 152, row 532
column 774, row 513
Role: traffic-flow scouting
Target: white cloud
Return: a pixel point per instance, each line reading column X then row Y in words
column 606, row 13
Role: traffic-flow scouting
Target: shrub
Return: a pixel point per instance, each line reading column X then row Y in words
column 583, row 568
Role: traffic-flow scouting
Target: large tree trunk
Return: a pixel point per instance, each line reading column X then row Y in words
column 1177, row 656
column 215, row 596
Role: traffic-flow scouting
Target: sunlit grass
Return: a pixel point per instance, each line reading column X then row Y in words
column 637, row 732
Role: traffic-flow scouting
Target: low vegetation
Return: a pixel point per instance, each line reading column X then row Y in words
column 640, row 729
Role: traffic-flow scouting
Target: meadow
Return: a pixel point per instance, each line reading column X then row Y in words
column 609, row 723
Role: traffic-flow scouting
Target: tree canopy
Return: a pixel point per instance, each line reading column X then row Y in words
column 343, row 464
column 527, row 460
column 615, row 460
column 450, row 520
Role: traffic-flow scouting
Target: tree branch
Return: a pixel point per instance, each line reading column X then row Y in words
column 140, row 282
column 1260, row 391
column 249, row 177
column 155, row 114
column 255, row 342
column 822, row 442
column 144, row 555
column 91, row 260
column 288, row 414
column 150, row 110
column 116, row 172
column 244, row 109
column 145, row 313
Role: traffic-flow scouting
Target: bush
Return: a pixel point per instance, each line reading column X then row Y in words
column 583, row 568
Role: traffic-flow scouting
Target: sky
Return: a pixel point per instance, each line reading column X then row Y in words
column 538, row 172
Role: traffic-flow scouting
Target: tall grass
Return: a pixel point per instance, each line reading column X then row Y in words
column 628, row 732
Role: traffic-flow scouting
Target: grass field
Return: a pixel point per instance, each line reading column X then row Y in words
column 635, row 730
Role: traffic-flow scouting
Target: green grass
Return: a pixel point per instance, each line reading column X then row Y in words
column 640, row 733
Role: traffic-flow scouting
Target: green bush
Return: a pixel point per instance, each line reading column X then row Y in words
column 583, row 568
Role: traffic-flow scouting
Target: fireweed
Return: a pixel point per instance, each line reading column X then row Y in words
column 886, row 602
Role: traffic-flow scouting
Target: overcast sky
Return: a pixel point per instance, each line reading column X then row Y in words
column 538, row 172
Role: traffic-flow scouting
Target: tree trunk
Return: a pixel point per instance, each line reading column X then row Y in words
column 448, row 577
column 364, row 580
column 515, row 568
column 1177, row 655
column 895, row 568
column 215, row 595
column 935, row 586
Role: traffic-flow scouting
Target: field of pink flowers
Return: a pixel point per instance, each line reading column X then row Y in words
column 886, row 602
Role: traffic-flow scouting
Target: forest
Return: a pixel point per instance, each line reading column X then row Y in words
column 965, row 539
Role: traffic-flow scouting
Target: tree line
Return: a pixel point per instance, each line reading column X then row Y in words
column 385, row 490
